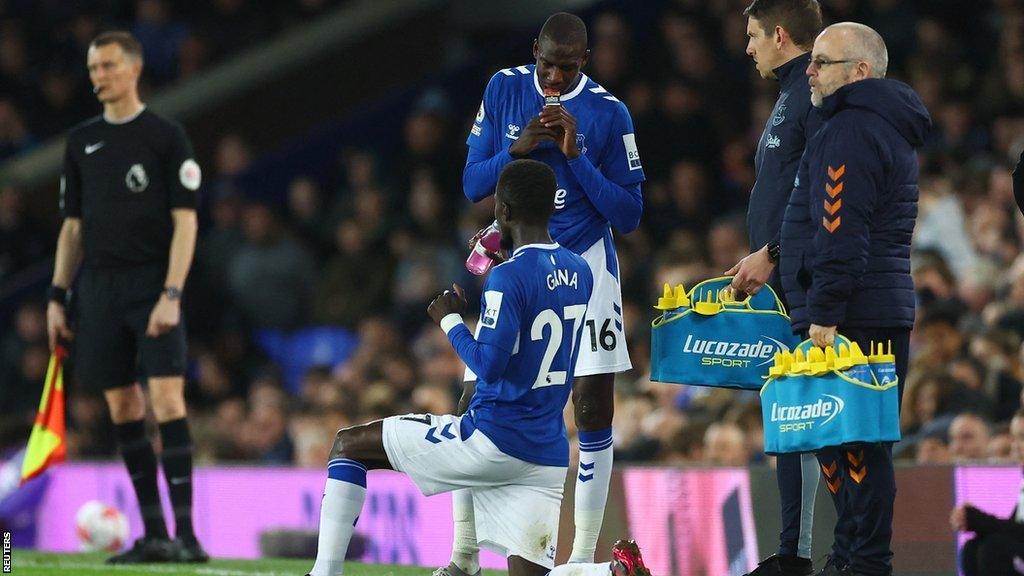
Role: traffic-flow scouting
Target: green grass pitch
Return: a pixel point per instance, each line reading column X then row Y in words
column 33, row 563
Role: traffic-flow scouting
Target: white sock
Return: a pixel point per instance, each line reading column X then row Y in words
column 595, row 473
column 343, row 501
column 602, row 569
column 465, row 550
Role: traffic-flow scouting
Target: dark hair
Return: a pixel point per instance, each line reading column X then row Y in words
column 565, row 29
column 801, row 19
column 528, row 187
column 124, row 39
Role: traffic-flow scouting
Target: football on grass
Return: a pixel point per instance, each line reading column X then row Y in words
column 100, row 527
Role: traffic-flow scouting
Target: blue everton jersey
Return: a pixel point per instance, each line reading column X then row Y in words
column 533, row 307
column 604, row 134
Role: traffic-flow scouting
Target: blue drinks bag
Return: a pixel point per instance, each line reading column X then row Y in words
column 706, row 338
column 809, row 405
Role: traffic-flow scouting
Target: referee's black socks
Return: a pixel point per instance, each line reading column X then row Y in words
column 177, row 461
column 140, row 460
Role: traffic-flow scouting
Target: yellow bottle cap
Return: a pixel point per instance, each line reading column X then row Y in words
column 843, row 360
column 830, row 357
column 681, row 298
column 782, row 365
column 856, row 356
column 708, row 306
column 880, row 355
column 799, row 364
column 776, row 367
column 816, row 361
column 668, row 301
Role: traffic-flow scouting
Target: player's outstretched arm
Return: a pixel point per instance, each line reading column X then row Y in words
column 487, row 361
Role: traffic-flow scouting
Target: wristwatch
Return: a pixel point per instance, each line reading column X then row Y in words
column 774, row 249
column 172, row 293
column 57, row 294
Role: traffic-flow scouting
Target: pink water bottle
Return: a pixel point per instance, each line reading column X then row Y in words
column 479, row 262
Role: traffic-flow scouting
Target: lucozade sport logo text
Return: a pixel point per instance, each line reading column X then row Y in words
column 806, row 416
column 730, row 354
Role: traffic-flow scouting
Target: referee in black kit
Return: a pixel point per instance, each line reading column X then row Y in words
column 128, row 198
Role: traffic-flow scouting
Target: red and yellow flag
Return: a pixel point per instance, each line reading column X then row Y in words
column 47, row 444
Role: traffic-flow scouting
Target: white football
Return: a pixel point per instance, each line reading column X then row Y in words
column 100, row 527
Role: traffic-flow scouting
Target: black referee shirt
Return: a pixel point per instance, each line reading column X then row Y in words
column 123, row 180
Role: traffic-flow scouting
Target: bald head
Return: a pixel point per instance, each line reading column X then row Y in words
column 565, row 29
column 844, row 53
column 860, row 42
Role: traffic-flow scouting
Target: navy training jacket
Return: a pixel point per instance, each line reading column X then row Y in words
column 846, row 233
column 792, row 123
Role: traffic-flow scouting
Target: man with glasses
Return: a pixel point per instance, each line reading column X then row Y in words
column 845, row 257
column 780, row 34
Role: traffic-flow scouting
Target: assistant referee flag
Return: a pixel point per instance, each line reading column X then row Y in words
column 47, row 444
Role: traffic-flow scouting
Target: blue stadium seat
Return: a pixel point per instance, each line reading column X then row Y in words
column 298, row 351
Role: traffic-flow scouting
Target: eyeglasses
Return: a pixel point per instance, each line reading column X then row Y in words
column 822, row 62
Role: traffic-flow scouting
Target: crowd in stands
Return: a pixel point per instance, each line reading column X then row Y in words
column 44, row 85
column 366, row 249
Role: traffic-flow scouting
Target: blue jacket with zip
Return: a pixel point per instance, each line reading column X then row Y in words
column 846, row 232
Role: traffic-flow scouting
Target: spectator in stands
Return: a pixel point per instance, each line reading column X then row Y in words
column 997, row 350
column 725, row 445
column 1000, row 445
column 307, row 213
column 14, row 134
column 272, row 276
column 161, row 36
column 998, row 543
column 969, row 435
column 23, row 360
column 727, row 242
column 932, row 449
column 685, row 446
column 926, row 398
column 356, row 282
column 22, row 241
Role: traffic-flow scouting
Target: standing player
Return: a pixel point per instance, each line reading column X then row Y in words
column 587, row 138
column 509, row 449
column 781, row 33
column 128, row 197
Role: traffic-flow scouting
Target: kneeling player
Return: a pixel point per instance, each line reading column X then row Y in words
column 510, row 447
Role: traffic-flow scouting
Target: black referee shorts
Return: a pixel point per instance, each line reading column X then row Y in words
column 111, row 346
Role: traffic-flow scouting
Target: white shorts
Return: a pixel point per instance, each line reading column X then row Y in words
column 603, row 344
column 516, row 503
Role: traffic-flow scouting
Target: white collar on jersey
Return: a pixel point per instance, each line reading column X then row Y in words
column 569, row 96
column 125, row 120
column 551, row 246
